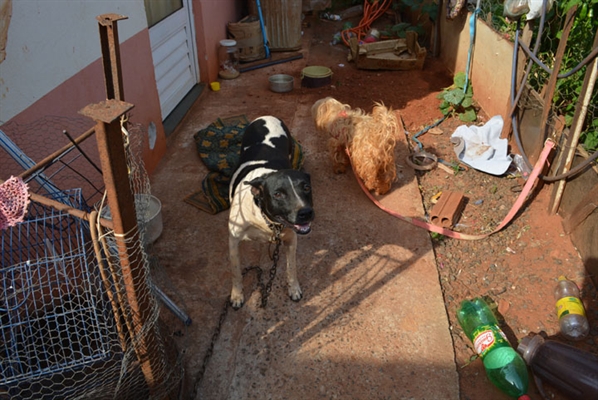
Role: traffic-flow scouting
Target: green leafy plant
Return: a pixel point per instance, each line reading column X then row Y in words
column 437, row 236
column 458, row 100
column 579, row 44
column 424, row 7
column 589, row 137
column 421, row 8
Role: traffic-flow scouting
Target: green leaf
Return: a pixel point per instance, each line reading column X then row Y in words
column 567, row 5
column 583, row 13
column 459, row 80
column 454, row 96
column 468, row 116
column 417, row 29
column 445, row 104
column 431, row 9
column 400, row 27
column 590, row 141
column 411, row 3
column 469, row 90
column 467, row 102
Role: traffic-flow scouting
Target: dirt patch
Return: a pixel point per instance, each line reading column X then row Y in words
column 518, row 267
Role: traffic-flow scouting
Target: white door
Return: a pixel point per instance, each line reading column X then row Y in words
column 173, row 50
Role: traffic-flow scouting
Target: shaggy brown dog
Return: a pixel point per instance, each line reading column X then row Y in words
column 370, row 139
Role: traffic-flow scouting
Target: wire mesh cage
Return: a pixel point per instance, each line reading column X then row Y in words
column 77, row 167
column 55, row 317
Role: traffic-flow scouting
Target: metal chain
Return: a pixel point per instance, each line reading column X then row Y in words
column 275, row 255
column 210, row 351
column 265, row 292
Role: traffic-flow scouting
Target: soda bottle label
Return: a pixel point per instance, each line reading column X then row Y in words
column 488, row 337
column 569, row 305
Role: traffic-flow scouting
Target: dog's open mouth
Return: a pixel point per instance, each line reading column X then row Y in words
column 301, row 229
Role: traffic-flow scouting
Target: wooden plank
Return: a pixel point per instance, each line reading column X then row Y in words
column 584, row 208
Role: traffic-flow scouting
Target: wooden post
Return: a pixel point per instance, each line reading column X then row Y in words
column 572, row 139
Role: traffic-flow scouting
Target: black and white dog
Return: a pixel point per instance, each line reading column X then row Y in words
column 268, row 196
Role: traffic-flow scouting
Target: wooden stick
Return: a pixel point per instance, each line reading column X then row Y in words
column 578, row 120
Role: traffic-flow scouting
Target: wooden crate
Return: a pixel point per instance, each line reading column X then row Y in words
column 394, row 54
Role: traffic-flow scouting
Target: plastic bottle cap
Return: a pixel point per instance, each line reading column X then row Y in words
column 228, row 42
column 524, row 397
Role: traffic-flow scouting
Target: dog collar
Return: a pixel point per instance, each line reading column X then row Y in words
column 275, row 227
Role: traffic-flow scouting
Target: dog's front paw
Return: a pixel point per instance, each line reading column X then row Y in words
column 295, row 292
column 236, row 299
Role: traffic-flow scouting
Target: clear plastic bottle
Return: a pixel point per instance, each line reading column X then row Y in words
column 504, row 366
column 573, row 371
column 228, row 58
column 572, row 316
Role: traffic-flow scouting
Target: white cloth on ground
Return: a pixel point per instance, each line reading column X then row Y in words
column 482, row 148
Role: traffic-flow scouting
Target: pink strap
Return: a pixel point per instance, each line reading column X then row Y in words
column 549, row 145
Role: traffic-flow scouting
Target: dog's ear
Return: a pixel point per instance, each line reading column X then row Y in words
column 257, row 186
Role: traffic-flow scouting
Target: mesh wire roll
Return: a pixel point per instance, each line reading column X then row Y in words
column 68, row 325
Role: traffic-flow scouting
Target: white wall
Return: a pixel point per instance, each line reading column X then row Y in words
column 49, row 41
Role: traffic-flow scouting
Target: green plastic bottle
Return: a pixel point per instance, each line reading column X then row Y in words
column 504, row 366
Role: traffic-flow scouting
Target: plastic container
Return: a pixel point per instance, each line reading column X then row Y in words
column 316, row 76
column 228, row 59
column 504, row 366
column 572, row 371
column 572, row 316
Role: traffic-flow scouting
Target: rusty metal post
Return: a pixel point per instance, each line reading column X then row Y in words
column 107, row 115
column 111, row 55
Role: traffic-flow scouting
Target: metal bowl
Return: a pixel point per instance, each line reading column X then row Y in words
column 281, row 83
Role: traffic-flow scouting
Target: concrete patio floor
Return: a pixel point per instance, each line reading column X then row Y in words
column 372, row 322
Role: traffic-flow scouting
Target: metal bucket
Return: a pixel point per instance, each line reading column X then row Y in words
column 149, row 215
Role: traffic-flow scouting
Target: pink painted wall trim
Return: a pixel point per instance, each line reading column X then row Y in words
column 87, row 87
